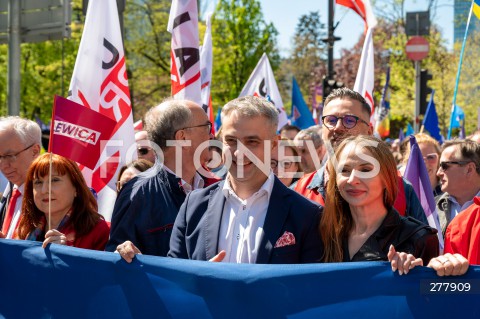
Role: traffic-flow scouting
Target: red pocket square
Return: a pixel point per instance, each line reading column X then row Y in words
column 286, row 239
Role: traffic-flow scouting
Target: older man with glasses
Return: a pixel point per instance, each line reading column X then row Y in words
column 346, row 113
column 459, row 175
column 147, row 206
column 20, row 141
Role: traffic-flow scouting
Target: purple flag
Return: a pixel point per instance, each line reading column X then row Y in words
column 416, row 173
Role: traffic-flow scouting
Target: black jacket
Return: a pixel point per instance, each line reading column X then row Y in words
column 406, row 234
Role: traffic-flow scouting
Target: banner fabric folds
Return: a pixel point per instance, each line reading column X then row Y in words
column 67, row 282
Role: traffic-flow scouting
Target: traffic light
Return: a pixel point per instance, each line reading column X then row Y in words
column 329, row 85
column 424, row 90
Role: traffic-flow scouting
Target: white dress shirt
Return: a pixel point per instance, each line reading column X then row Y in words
column 241, row 228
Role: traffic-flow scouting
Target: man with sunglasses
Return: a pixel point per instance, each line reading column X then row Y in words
column 346, row 113
column 459, row 174
column 144, row 149
column 147, row 205
column 20, row 141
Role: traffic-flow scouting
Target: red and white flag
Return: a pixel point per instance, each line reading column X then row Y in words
column 206, row 63
column 78, row 133
column 138, row 125
column 185, row 53
column 100, row 83
column 363, row 8
column 262, row 83
column 365, row 80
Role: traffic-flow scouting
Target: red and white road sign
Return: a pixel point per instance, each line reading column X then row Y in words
column 417, row 48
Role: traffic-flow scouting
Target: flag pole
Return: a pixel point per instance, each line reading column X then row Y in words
column 50, row 194
column 457, row 81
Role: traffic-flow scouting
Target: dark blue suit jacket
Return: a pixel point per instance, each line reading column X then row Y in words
column 145, row 210
column 196, row 229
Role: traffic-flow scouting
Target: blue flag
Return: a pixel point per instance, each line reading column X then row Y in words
column 457, row 120
column 410, row 130
column 416, row 173
column 218, row 120
column 430, row 121
column 401, row 136
column 301, row 115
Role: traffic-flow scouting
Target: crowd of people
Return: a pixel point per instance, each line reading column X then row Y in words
column 329, row 193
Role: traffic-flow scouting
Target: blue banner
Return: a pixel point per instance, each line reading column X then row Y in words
column 65, row 282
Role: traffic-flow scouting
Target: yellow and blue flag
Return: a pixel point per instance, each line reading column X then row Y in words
column 476, row 8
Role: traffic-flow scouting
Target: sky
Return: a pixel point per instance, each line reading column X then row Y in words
column 285, row 14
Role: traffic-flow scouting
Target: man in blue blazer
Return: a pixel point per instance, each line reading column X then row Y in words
column 251, row 217
column 196, row 230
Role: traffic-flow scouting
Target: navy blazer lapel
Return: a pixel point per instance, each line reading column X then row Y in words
column 216, row 202
column 277, row 213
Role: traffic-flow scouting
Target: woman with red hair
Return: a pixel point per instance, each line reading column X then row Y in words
column 69, row 216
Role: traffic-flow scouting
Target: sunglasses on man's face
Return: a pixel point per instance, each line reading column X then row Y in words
column 143, row 151
column 446, row 165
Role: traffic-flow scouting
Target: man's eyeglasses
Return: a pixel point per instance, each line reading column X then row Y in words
column 143, row 151
column 209, row 125
column 284, row 164
column 10, row 158
column 446, row 165
column 348, row 121
column 432, row 158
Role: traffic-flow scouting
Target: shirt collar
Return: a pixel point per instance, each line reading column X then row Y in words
column 266, row 187
column 198, row 181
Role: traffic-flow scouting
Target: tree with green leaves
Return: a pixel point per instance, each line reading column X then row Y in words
column 240, row 37
column 147, row 48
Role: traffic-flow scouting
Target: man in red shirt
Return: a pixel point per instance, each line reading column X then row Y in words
column 463, row 233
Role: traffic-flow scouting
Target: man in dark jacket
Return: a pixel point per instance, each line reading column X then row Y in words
column 147, row 206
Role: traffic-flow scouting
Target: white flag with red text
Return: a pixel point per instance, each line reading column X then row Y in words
column 99, row 82
column 185, row 52
column 364, row 83
column 206, row 63
column 262, row 83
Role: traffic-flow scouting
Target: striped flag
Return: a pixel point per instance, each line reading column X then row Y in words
column 99, row 82
column 365, row 80
column 382, row 118
column 416, row 173
column 206, row 62
column 185, row 53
